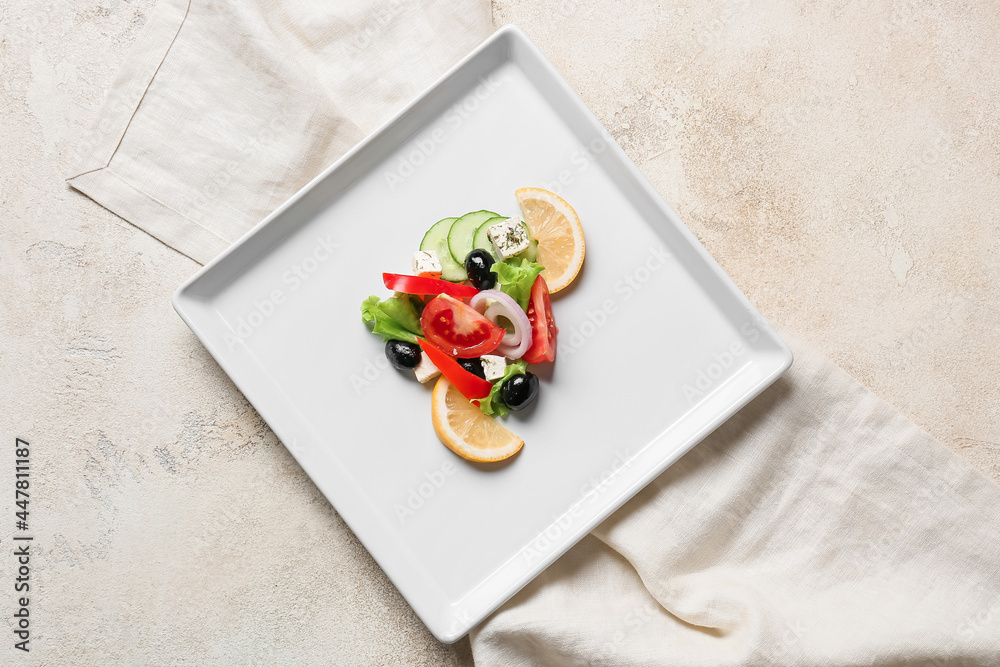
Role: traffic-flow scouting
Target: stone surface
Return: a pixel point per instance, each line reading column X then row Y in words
column 841, row 161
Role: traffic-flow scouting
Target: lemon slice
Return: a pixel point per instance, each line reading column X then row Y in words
column 556, row 227
column 465, row 430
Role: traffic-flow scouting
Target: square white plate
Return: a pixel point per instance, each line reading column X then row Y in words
column 656, row 347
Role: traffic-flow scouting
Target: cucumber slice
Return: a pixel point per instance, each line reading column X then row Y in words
column 482, row 240
column 436, row 239
column 463, row 232
column 531, row 254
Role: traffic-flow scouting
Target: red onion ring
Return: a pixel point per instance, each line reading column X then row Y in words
column 493, row 313
column 514, row 345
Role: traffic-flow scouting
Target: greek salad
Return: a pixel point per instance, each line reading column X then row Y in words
column 475, row 312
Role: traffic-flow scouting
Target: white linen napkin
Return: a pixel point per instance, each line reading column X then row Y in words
column 225, row 109
column 816, row 527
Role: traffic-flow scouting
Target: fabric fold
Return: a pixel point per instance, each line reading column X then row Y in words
column 223, row 110
column 815, row 527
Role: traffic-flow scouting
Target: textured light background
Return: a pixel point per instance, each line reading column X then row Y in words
column 841, row 160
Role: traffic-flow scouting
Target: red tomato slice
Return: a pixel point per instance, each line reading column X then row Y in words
column 471, row 385
column 543, row 325
column 458, row 329
column 421, row 286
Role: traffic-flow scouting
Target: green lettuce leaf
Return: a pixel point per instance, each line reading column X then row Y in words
column 396, row 318
column 515, row 276
column 493, row 405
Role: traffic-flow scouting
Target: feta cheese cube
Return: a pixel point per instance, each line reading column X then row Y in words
column 426, row 264
column 426, row 370
column 493, row 366
column 509, row 237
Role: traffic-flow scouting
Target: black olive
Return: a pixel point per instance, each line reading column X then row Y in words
column 402, row 355
column 474, row 366
column 477, row 265
column 520, row 391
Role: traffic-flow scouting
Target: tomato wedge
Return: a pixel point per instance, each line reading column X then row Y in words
column 543, row 325
column 458, row 329
column 421, row 286
column 471, row 385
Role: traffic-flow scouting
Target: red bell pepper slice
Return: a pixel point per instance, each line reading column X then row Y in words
column 421, row 286
column 471, row 385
